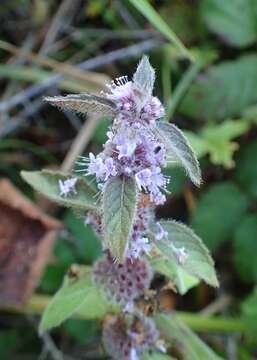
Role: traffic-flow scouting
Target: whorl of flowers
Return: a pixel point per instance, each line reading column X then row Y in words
column 128, row 337
column 132, row 151
column 131, row 184
column 122, row 282
column 131, row 148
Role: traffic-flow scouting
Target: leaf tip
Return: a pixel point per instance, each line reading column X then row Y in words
column 25, row 175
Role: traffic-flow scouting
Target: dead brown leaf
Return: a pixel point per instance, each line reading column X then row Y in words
column 26, row 239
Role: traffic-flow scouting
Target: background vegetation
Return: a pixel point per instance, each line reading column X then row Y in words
column 209, row 87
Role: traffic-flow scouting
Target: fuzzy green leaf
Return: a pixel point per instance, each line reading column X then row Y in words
column 84, row 103
column 178, row 148
column 182, row 279
column 234, row 21
column 46, row 182
column 199, row 262
column 222, row 199
column 191, row 345
column 245, row 246
column 78, row 294
column 143, row 79
column 119, row 208
column 217, row 94
column 246, row 169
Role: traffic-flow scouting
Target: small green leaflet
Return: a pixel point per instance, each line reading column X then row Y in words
column 77, row 295
column 119, row 208
column 216, row 140
column 199, row 262
column 47, row 182
column 84, row 103
column 192, row 346
column 178, row 147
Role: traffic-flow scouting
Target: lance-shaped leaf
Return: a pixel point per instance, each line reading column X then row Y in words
column 84, row 103
column 119, row 208
column 178, row 148
column 47, row 183
column 80, row 295
column 191, row 345
column 198, row 261
column 144, row 77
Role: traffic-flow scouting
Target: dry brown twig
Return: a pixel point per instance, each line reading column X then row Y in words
column 80, row 142
column 62, row 68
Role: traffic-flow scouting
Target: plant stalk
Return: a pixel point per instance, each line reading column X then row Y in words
column 37, row 304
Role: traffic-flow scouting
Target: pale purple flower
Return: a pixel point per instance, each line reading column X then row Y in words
column 152, row 110
column 126, row 147
column 158, row 197
column 139, row 247
column 182, row 255
column 129, row 307
column 157, row 178
column 152, row 180
column 133, row 354
column 110, row 168
column 67, row 187
column 96, row 166
column 143, row 178
column 161, row 232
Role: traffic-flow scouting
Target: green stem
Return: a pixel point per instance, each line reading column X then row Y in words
column 181, row 89
column 212, row 324
column 146, row 9
column 38, row 303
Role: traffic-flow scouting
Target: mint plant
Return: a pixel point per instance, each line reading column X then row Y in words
column 129, row 185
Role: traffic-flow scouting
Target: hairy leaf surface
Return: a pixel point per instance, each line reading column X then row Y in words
column 47, row 182
column 179, row 148
column 222, row 91
column 221, row 201
column 199, row 262
column 78, row 293
column 119, row 208
column 143, row 79
column 84, row 103
column 234, row 21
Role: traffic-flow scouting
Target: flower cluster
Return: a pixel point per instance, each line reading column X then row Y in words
column 131, row 148
column 122, row 282
column 129, row 177
column 139, row 244
column 127, row 338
